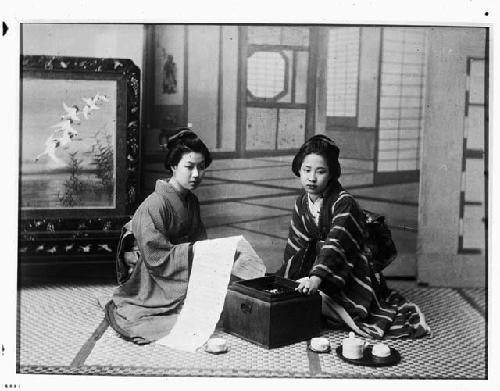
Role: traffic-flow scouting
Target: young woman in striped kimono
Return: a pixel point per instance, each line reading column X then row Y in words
column 327, row 251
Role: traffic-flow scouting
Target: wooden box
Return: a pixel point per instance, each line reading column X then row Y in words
column 269, row 312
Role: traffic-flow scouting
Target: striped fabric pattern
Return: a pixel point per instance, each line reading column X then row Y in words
column 352, row 292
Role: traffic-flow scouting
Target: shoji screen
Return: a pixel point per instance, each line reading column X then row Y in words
column 401, row 99
column 342, row 73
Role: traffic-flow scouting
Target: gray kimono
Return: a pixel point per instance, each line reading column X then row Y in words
column 145, row 306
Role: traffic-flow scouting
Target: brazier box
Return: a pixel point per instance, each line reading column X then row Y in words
column 269, row 312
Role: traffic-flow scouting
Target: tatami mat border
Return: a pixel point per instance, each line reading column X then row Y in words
column 475, row 297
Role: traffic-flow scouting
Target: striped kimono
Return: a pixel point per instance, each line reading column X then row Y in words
column 334, row 249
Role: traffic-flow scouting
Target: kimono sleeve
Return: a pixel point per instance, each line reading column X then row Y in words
column 344, row 240
column 297, row 241
column 161, row 257
column 201, row 232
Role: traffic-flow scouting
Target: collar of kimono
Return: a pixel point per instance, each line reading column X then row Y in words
column 315, row 203
column 163, row 186
column 329, row 195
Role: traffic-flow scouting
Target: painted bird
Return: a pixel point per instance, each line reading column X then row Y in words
column 71, row 113
column 98, row 98
column 50, row 150
column 53, row 142
column 90, row 105
column 66, row 126
column 91, row 102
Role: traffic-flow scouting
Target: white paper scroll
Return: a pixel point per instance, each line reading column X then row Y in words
column 212, row 264
column 247, row 264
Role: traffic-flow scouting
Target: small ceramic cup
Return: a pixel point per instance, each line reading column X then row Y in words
column 381, row 350
column 216, row 345
column 353, row 347
column 320, row 344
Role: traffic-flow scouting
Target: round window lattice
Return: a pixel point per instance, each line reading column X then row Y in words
column 267, row 75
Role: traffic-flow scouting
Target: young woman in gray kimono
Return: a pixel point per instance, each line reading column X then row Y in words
column 154, row 278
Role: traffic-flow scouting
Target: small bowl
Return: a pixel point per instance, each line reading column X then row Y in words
column 216, row 345
column 320, row 345
column 381, row 350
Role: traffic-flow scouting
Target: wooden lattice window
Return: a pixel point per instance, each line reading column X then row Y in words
column 342, row 76
column 267, row 75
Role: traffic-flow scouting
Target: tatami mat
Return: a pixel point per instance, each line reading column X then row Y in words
column 242, row 358
column 57, row 322
column 456, row 348
column 477, row 297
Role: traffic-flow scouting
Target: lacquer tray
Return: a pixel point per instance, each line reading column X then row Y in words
column 370, row 359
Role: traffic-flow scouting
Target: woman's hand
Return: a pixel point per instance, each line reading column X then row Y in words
column 131, row 258
column 309, row 285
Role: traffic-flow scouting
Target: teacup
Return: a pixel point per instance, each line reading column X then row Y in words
column 216, row 345
column 353, row 347
column 381, row 350
column 320, row 344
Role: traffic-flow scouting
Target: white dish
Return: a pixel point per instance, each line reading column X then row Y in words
column 216, row 345
column 320, row 345
column 381, row 350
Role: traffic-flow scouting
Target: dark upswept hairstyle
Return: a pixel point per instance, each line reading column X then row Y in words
column 184, row 141
column 319, row 145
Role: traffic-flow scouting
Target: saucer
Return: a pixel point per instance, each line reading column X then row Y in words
column 216, row 352
column 327, row 350
column 370, row 359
